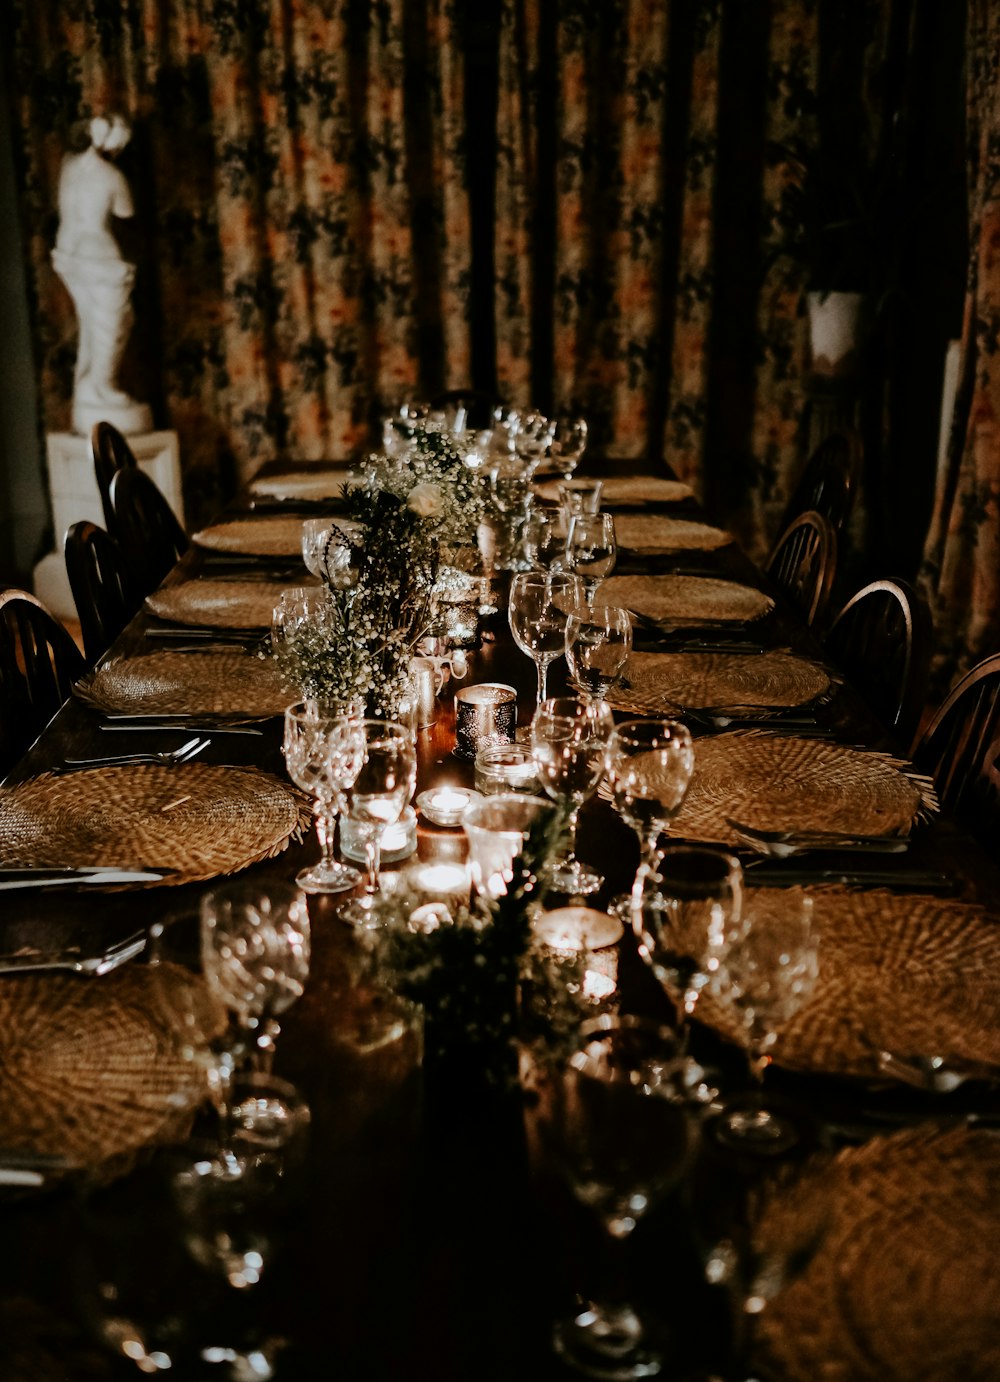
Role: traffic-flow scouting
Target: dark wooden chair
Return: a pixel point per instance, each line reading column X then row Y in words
column 110, row 453
column 804, row 563
column 103, row 587
column 960, row 749
column 882, row 640
column 39, row 662
column 145, row 528
column 829, row 483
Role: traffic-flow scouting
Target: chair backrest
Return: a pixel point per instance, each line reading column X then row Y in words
column 39, row 662
column 110, row 453
column 145, row 528
column 829, row 482
column 882, row 640
column 105, row 593
column 960, row 748
column 804, row 563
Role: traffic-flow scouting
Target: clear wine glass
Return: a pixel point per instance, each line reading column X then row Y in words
column 255, row 950
column 544, row 539
column 687, row 914
column 540, row 603
column 569, row 743
column 650, row 763
column 298, row 605
column 768, row 974
column 598, row 642
column 510, row 479
column 379, row 796
column 569, row 441
column 591, row 549
column 323, row 752
column 621, row 1132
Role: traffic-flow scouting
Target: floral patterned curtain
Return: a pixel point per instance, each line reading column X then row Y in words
column 302, row 216
column 639, row 267
column 961, row 568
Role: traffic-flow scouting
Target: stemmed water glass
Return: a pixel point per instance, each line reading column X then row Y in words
column 540, row 603
column 687, row 914
column 544, row 539
column 650, row 763
column 379, row 796
column 621, row 1132
column 569, row 441
column 569, row 743
column 598, row 642
column 768, row 974
column 324, row 751
column 591, row 549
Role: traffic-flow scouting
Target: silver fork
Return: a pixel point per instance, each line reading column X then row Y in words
column 782, row 844
column 168, row 758
column 93, row 965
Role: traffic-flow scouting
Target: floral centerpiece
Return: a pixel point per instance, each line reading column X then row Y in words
column 381, row 569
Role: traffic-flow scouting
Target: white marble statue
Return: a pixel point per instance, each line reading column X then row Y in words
column 87, row 257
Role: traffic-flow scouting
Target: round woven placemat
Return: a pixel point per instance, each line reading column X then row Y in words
column 268, row 536
column 903, row 1287
column 303, row 484
column 212, row 683
column 918, row 976
column 198, row 819
column 784, row 782
column 685, row 598
column 91, row 1069
column 655, row 682
column 640, row 532
column 219, row 604
column 627, row 489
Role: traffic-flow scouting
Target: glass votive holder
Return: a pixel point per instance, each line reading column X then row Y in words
column 586, row 931
column 445, row 806
column 495, row 827
column 438, row 892
column 506, row 768
column 399, row 840
column 581, row 496
column 484, row 715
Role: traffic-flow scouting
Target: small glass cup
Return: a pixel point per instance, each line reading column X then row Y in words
column 506, row 768
column 495, row 828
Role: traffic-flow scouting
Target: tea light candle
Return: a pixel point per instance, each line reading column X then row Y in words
column 484, row 714
column 577, row 928
column 440, row 889
column 446, row 805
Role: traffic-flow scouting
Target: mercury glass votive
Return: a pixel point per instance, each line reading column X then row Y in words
column 506, row 768
column 484, row 715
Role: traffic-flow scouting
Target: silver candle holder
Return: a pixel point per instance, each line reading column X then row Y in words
column 484, row 714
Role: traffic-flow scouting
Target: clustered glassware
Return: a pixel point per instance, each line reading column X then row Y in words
column 621, row 1132
column 255, row 951
column 539, row 606
column 650, row 763
column 379, row 795
column 544, row 538
column 569, row 742
column 687, row 913
column 598, row 642
column 591, row 549
column 768, row 973
column 324, row 751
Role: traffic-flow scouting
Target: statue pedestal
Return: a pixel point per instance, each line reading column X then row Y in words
column 75, row 496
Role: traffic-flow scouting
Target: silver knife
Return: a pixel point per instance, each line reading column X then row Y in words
column 181, row 726
column 37, row 878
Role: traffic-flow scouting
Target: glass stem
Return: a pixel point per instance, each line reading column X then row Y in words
column 542, row 668
column 758, row 1064
column 326, row 829
column 574, row 816
column 373, row 857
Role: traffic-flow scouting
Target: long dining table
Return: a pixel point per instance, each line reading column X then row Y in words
column 416, row 1237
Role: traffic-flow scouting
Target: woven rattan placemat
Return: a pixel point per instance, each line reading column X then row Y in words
column 685, row 599
column 640, row 532
column 303, row 484
column 627, row 489
column 903, row 1287
column 787, row 782
column 267, row 536
column 657, row 682
column 211, row 683
column 91, row 1069
column 221, row 604
column 197, row 819
column 914, row 975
